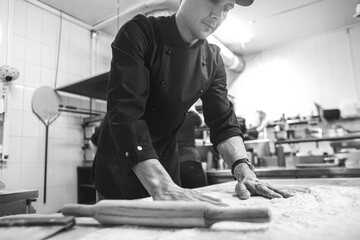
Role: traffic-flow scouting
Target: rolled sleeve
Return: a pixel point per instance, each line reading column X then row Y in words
column 133, row 144
column 219, row 112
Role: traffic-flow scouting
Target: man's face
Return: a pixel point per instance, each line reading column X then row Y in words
column 203, row 17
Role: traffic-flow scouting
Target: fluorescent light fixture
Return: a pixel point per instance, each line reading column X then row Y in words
column 234, row 31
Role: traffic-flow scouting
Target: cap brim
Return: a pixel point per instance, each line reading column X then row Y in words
column 244, row 2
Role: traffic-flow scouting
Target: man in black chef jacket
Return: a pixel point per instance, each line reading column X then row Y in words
column 160, row 67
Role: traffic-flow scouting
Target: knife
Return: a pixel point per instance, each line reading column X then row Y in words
column 12, row 221
column 33, row 227
column 165, row 213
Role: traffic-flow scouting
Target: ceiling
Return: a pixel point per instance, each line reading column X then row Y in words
column 274, row 22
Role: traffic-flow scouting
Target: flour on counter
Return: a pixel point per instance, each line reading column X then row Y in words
column 321, row 212
column 329, row 212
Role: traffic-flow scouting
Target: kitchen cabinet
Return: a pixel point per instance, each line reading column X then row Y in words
column 86, row 188
column 17, row 201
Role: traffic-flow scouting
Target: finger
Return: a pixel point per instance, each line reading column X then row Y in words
column 284, row 193
column 205, row 198
column 264, row 191
column 216, row 203
column 212, row 200
column 242, row 191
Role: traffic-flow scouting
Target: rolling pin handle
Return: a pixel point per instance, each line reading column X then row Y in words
column 255, row 215
column 78, row 210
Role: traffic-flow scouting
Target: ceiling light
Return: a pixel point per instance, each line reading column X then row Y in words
column 357, row 11
column 233, row 31
column 94, row 34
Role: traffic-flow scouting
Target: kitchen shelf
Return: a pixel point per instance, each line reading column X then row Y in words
column 221, row 176
column 323, row 139
column 93, row 87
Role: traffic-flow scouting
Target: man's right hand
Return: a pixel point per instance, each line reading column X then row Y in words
column 161, row 187
column 174, row 192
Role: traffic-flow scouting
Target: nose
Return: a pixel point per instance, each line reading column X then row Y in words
column 217, row 13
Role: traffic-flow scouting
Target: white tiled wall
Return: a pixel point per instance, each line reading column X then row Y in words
column 3, row 30
column 103, row 52
column 35, row 42
column 323, row 69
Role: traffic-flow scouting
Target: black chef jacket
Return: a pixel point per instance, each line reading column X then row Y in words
column 154, row 79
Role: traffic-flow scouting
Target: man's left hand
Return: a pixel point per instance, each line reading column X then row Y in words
column 249, row 185
column 254, row 187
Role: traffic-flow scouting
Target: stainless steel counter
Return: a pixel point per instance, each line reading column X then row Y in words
column 17, row 201
column 220, row 176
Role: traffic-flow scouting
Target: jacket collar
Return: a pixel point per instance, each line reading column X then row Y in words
column 176, row 37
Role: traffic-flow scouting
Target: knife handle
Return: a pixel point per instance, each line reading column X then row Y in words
column 255, row 215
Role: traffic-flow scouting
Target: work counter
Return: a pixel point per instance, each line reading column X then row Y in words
column 321, row 209
column 17, row 201
column 221, row 176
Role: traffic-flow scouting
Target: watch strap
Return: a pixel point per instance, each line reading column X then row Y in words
column 241, row 160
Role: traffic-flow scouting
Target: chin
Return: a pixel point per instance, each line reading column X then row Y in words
column 203, row 35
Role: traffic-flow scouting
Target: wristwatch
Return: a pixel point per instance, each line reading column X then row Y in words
column 241, row 160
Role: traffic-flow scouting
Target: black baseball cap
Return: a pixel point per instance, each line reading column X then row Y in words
column 244, row 3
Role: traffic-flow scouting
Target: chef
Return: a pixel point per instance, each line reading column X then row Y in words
column 160, row 67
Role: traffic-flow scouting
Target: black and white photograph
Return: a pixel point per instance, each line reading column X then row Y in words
column 179, row 119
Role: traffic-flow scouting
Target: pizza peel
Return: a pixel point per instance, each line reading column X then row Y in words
column 45, row 104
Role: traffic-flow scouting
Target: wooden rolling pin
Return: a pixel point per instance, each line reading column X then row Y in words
column 164, row 213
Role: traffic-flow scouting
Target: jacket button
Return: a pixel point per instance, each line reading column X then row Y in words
column 154, row 109
column 168, row 52
column 126, row 154
column 139, row 148
column 162, row 82
column 201, row 91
